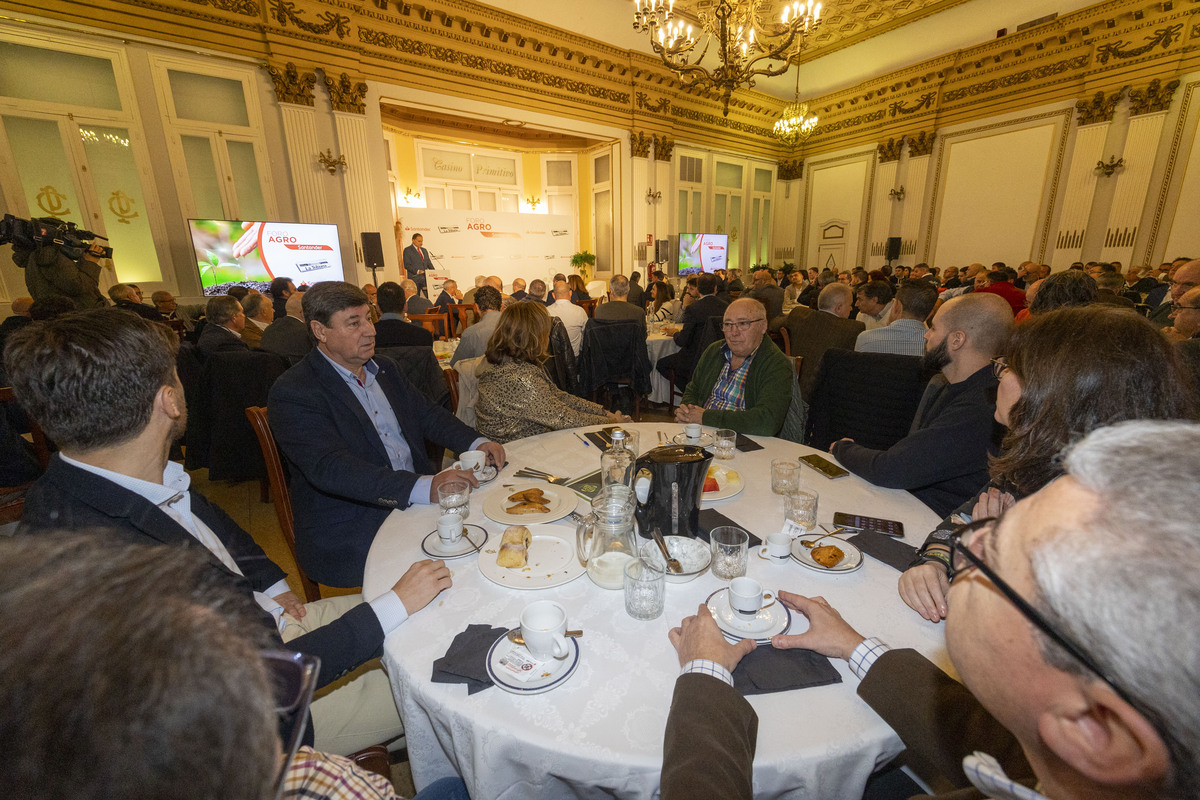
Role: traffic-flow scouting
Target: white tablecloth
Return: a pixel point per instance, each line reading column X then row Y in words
column 657, row 346
column 600, row 734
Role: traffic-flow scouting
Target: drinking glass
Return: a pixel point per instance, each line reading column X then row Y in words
column 785, row 476
column 800, row 506
column 454, row 497
column 645, row 589
column 729, row 552
column 725, row 443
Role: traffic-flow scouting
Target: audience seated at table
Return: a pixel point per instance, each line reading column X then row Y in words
column 128, row 297
column 392, row 329
column 904, row 334
column 573, row 317
column 288, row 335
column 766, row 289
column 449, row 294
column 223, row 327
column 474, row 340
column 187, row 314
column 873, row 300
column 518, row 289
column 579, row 291
column 619, row 307
column 1065, row 373
column 281, row 289
column 259, row 314
column 516, row 396
column 744, row 382
column 537, row 291
column 812, row 332
column 664, row 308
column 690, row 337
column 944, row 458
column 1095, row 559
column 797, row 282
column 353, row 430
column 1185, row 277
column 414, row 302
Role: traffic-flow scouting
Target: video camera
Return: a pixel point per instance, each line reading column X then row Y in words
column 31, row 234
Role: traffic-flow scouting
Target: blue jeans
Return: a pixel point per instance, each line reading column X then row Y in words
column 444, row 789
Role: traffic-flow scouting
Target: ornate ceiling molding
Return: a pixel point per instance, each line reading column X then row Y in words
column 291, row 86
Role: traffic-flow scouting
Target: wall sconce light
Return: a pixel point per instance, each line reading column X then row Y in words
column 896, row 194
column 410, row 195
column 652, row 196
column 1112, row 166
column 330, row 163
column 533, row 202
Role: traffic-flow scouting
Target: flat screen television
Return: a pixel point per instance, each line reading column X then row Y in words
column 252, row 254
column 702, row 252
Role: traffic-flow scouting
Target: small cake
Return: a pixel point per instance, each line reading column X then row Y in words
column 827, row 556
column 514, row 547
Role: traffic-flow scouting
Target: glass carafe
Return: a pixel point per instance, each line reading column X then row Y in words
column 605, row 539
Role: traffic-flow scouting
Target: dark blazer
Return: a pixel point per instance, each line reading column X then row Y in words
column 69, row 498
column 691, row 337
column 215, row 339
column 288, row 337
column 773, row 296
column 398, row 333
column 620, row 310
column 415, row 259
column 708, row 748
column 811, row 333
column 342, row 482
column 141, row 309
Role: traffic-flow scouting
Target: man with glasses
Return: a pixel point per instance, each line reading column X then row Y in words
column 1064, row 624
column 743, row 383
column 1183, row 279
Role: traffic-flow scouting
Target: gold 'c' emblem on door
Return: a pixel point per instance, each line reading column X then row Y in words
column 52, row 201
column 122, row 205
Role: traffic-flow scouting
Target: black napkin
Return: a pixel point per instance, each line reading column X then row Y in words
column 746, row 444
column 711, row 518
column 769, row 670
column 466, row 660
column 600, row 439
column 891, row 551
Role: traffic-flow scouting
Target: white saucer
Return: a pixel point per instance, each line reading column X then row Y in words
column 486, row 474
column 770, row 621
column 471, row 540
column 555, row 672
column 705, row 440
column 852, row 561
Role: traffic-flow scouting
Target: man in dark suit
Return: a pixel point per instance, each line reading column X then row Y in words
column 114, row 408
column 1184, row 279
column 354, row 431
column 811, row 333
column 393, row 330
column 129, row 298
column 223, row 329
column 691, row 337
column 1070, row 689
column 619, row 307
column 288, row 335
column 416, row 261
column 637, row 295
column 767, row 291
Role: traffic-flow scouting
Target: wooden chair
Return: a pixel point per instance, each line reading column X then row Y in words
column 590, row 306
column 279, row 493
column 12, row 498
column 436, row 322
column 467, row 315
column 787, row 344
column 451, row 376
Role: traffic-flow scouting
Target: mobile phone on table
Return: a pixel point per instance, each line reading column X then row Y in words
column 858, row 522
column 824, row 466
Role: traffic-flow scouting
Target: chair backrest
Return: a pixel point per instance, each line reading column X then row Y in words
column 436, row 322
column 563, row 369
column 421, row 367
column 450, row 375
column 467, row 315
column 466, row 388
column 614, row 351
column 589, row 306
column 279, row 492
column 811, row 333
column 868, row 397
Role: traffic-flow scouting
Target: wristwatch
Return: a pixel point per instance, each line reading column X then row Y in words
column 942, row 559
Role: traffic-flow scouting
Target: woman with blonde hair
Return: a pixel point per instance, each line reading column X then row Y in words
column 516, row 396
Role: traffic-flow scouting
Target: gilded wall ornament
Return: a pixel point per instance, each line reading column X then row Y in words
column 724, row 122
column 291, row 86
column 790, row 169
column 663, row 145
column 52, row 201
column 345, row 95
column 1037, row 73
column 1163, row 36
column 643, row 103
column 248, row 8
column 921, row 144
column 122, row 205
column 639, row 144
column 284, row 12
column 924, row 101
column 1155, row 97
column 852, row 122
column 890, row 150
column 1100, row 108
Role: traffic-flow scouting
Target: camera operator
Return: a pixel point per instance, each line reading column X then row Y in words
column 56, row 262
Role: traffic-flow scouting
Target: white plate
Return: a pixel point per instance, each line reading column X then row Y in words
column 555, row 672
column 559, row 499
column 728, row 487
column 484, row 476
column 705, row 440
column 770, row 621
column 550, row 561
column 852, row 561
column 693, row 555
column 473, row 537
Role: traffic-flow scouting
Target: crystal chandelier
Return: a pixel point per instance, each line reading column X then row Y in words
column 794, row 124
column 740, row 35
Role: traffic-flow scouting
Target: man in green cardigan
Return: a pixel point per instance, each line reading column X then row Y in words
column 744, row 382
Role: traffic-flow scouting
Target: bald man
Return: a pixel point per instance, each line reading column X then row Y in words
column 943, row 460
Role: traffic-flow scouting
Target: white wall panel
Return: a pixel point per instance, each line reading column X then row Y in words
column 1081, row 188
column 300, row 132
column 352, row 140
column 881, row 214
column 1133, row 181
column 836, row 191
column 992, row 197
column 916, row 178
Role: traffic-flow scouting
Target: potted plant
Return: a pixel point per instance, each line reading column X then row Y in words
column 583, row 262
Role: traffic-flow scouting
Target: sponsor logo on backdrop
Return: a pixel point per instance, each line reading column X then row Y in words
column 477, row 224
column 312, row 266
column 448, row 229
column 417, row 228
column 549, row 258
column 535, row 233
column 559, row 232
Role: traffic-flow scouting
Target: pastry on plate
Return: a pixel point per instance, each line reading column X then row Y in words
column 828, row 555
column 514, row 547
column 528, row 496
column 528, row 508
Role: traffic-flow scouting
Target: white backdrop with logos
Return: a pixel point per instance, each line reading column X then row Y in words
column 464, row 244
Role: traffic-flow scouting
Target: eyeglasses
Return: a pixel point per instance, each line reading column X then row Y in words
column 966, row 554
column 293, row 678
column 741, row 325
column 999, row 367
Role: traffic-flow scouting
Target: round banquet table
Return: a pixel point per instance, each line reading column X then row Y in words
column 600, row 733
column 657, row 346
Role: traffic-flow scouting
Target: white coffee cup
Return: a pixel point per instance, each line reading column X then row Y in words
column 778, row 546
column 544, row 628
column 746, row 597
column 692, row 432
column 449, row 529
column 473, row 460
